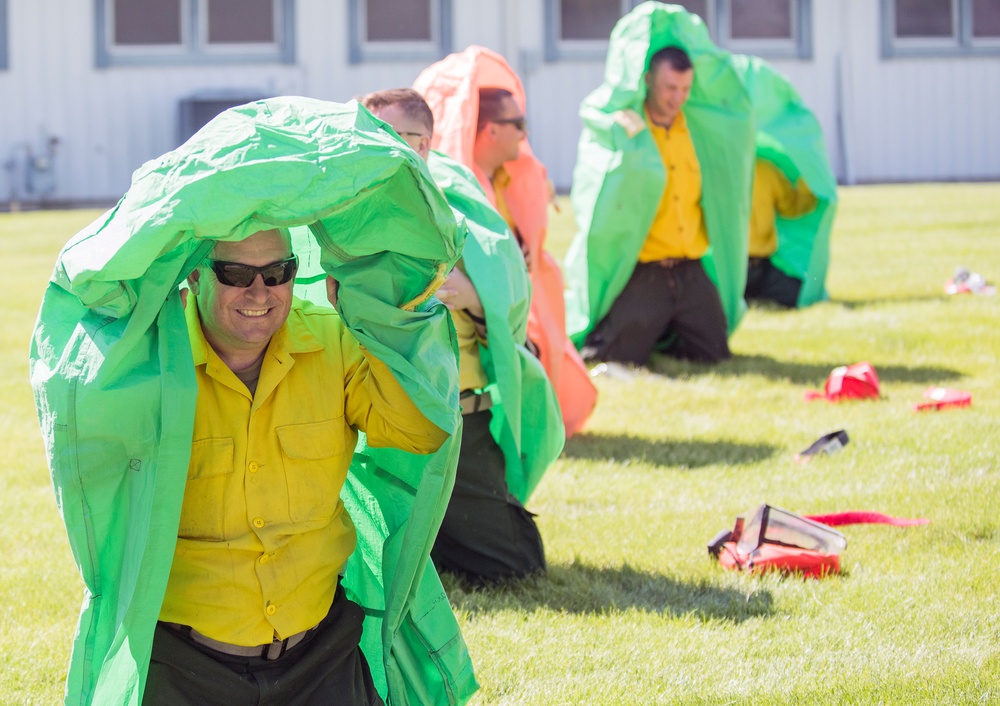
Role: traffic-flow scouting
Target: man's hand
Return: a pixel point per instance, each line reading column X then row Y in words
column 331, row 290
column 458, row 292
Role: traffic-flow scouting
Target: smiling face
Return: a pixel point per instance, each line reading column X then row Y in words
column 238, row 323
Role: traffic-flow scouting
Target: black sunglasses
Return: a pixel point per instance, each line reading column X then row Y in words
column 520, row 123
column 236, row 274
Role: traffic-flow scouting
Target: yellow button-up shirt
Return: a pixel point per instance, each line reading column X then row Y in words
column 263, row 533
column 773, row 194
column 678, row 230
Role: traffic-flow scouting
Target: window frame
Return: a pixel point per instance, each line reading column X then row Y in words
column 718, row 23
column 360, row 50
column 798, row 46
column 962, row 43
column 4, row 21
column 559, row 49
column 194, row 47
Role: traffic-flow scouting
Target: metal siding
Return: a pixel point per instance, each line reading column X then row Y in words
column 919, row 118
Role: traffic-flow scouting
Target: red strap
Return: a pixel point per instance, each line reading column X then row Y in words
column 865, row 518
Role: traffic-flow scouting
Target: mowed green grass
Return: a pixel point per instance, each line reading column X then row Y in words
column 632, row 610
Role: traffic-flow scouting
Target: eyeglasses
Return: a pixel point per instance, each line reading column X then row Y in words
column 520, row 123
column 236, row 274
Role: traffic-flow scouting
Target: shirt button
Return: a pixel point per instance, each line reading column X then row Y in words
column 271, row 609
column 258, row 522
column 253, row 467
column 264, row 559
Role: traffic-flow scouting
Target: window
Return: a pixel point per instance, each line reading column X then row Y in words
column 399, row 30
column 3, row 35
column 928, row 27
column 579, row 29
column 194, row 31
column 770, row 28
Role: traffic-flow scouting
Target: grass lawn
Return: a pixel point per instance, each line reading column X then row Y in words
column 632, row 609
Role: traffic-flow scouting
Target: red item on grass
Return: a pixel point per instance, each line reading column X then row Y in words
column 944, row 397
column 865, row 517
column 775, row 539
column 773, row 557
column 849, row 382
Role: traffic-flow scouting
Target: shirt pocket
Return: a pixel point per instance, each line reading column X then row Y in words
column 315, row 468
column 205, row 495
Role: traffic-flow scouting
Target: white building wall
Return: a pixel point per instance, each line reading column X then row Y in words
column 885, row 119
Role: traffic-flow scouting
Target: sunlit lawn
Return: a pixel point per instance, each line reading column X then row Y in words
column 632, row 609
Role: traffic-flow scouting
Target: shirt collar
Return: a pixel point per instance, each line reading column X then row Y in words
column 678, row 126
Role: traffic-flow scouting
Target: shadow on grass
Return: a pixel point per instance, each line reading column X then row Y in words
column 684, row 454
column 853, row 304
column 581, row 589
column 812, row 374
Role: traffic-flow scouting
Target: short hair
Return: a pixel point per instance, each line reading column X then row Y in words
column 678, row 59
column 285, row 233
column 491, row 105
column 409, row 101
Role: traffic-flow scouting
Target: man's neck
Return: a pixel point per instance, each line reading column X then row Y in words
column 250, row 374
column 660, row 119
column 237, row 359
column 488, row 168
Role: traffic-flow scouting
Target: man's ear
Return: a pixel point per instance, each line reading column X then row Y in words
column 193, row 281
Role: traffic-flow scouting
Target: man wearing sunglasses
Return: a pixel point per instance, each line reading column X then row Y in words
column 254, row 608
column 479, row 106
column 499, row 131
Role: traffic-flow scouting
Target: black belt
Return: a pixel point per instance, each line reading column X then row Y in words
column 672, row 262
column 472, row 402
column 270, row 651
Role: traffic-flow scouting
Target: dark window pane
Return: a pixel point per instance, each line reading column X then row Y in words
column 698, row 7
column 588, row 19
column 399, row 20
column 240, row 21
column 986, row 18
column 924, row 18
column 761, row 19
column 147, row 22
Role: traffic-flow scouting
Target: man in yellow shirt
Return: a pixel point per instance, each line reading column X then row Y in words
column 773, row 195
column 487, row 535
column 669, row 299
column 253, row 611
